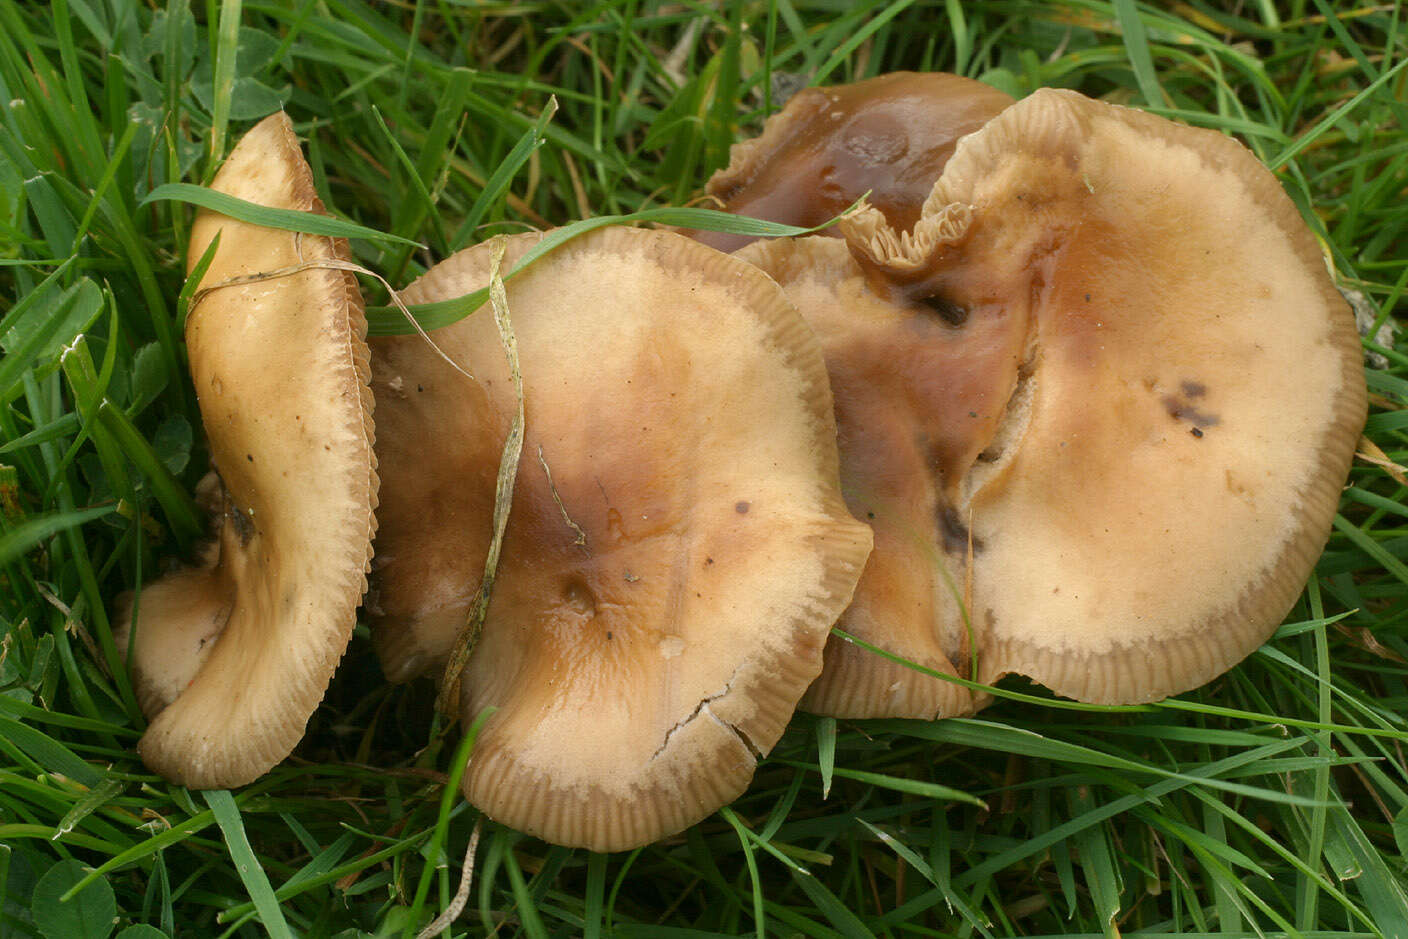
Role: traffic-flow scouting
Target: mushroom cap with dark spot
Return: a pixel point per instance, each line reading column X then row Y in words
column 1177, row 389
column 916, row 399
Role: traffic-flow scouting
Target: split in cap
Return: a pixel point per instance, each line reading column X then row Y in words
column 1134, row 393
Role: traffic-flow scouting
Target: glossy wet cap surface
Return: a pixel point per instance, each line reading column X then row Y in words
column 890, row 136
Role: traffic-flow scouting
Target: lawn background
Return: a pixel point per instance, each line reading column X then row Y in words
column 1274, row 802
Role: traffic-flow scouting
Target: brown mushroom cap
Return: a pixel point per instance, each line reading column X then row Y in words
column 231, row 658
column 914, row 396
column 677, row 548
column 889, row 136
column 1178, row 389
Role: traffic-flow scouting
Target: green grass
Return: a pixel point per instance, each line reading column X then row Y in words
column 1272, row 803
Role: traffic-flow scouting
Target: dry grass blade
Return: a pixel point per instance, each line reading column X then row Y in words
column 334, row 264
column 503, row 491
column 461, row 897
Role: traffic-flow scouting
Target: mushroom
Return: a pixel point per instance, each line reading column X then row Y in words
column 889, row 136
column 677, row 548
column 230, row 658
column 1125, row 396
column 915, row 397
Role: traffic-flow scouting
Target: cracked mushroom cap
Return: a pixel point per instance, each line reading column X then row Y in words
column 232, row 657
column 889, row 136
column 677, row 548
column 1140, row 395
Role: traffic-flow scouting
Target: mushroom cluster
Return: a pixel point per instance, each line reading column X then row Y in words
column 1097, row 400
column 1077, row 372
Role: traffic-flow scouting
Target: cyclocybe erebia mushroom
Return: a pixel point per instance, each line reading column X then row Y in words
column 677, row 548
column 889, row 136
column 1125, row 397
column 914, row 396
column 229, row 659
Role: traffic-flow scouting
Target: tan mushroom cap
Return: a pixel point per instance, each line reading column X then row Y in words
column 1179, row 387
column 231, row 658
column 914, row 396
column 677, row 548
column 889, row 136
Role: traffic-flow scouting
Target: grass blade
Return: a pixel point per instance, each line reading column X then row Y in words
column 15, row 541
column 227, row 816
column 226, row 52
column 267, row 216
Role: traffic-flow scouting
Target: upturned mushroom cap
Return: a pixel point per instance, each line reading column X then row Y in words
column 677, row 548
column 231, row 658
column 889, row 136
column 1143, row 408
